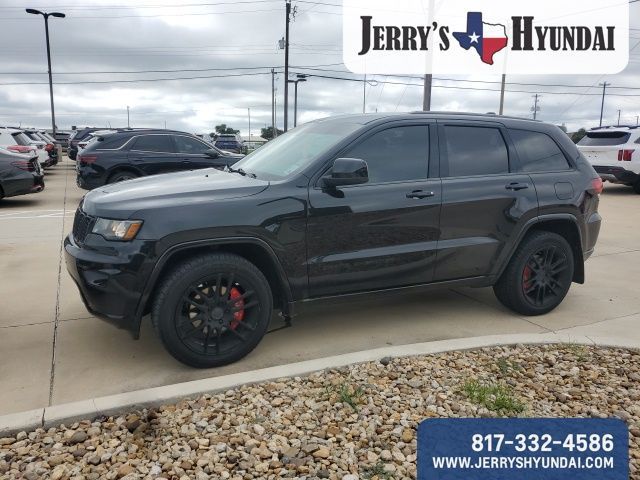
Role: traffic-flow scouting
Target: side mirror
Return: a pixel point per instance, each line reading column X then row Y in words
column 211, row 153
column 347, row 171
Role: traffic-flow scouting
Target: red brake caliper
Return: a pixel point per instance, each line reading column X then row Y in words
column 239, row 315
column 526, row 277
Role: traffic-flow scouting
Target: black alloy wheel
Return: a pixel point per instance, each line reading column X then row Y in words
column 212, row 309
column 538, row 276
column 542, row 276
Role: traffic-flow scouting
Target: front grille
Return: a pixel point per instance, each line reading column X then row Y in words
column 82, row 225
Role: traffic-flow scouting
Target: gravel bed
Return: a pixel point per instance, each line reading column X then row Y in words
column 357, row 422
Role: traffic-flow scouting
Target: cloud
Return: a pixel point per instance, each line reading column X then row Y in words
column 233, row 36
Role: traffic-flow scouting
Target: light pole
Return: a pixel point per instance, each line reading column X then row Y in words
column 46, row 30
column 301, row 78
column 128, row 122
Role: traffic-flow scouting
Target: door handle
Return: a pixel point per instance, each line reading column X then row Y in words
column 515, row 186
column 420, row 194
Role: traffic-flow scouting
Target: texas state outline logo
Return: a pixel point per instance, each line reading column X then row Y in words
column 486, row 38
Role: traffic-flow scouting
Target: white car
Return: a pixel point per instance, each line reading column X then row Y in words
column 16, row 141
column 614, row 153
column 92, row 137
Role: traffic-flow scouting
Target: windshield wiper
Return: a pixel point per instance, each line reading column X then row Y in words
column 241, row 172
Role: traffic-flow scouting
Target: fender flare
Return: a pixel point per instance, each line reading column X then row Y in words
column 536, row 221
column 181, row 247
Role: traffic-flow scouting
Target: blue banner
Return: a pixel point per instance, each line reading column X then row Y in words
column 523, row 449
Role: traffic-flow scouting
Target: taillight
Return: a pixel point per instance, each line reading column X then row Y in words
column 87, row 159
column 28, row 166
column 19, row 148
column 598, row 185
column 625, row 155
column 49, row 147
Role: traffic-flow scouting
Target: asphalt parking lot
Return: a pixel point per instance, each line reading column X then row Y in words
column 52, row 351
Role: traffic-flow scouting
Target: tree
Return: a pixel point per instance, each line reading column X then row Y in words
column 579, row 135
column 222, row 129
column 267, row 133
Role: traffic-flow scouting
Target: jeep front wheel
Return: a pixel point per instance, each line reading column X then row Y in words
column 212, row 310
column 538, row 276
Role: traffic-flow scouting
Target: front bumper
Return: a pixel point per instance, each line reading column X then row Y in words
column 616, row 174
column 110, row 281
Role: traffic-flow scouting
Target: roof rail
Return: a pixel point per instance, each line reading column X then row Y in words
column 470, row 114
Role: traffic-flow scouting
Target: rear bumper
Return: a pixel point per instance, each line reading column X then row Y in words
column 616, row 174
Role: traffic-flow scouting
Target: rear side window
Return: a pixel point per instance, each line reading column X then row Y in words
column 154, row 143
column 475, row 151
column 396, row 154
column 112, row 142
column 604, row 139
column 538, row 152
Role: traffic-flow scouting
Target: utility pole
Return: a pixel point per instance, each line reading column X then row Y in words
column 535, row 107
column 273, row 102
column 46, row 31
column 604, row 92
column 364, row 94
column 128, row 123
column 637, row 118
column 619, row 112
column 286, row 67
column 249, row 110
column 504, row 83
column 426, row 101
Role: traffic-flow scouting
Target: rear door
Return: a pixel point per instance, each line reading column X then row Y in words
column 558, row 182
column 384, row 233
column 483, row 202
column 154, row 154
column 192, row 153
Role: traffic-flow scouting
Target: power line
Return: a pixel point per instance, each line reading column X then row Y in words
column 168, row 71
column 157, row 5
column 101, row 17
column 141, row 80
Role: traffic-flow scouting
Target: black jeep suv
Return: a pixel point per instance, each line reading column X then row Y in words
column 130, row 154
column 345, row 205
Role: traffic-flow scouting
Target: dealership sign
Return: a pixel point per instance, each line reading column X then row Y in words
column 492, row 36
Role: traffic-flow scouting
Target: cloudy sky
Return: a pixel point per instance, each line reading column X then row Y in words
column 108, row 54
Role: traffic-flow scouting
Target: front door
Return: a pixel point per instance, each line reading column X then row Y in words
column 483, row 203
column 383, row 233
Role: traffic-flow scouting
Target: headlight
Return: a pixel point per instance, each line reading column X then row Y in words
column 121, row 230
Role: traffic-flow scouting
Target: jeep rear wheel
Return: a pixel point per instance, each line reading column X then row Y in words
column 538, row 276
column 212, row 310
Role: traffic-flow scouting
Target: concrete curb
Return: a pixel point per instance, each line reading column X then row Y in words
column 152, row 397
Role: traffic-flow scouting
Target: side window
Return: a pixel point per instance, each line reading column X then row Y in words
column 475, row 151
column 538, row 152
column 153, row 143
column 396, row 154
column 190, row 145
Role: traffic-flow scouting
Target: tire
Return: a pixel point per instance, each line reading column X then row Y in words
column 202, row 328
column 121, row 176
column 538, row 275
column 636, row 187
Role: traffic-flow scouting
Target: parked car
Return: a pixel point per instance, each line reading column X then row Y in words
column 40, row 140
column 62, row 139
column 614, row 152
column 341, row 206
column 16, row 141
column 76, row 137
column 230, row 143
column 20, row 174
column 137, row 153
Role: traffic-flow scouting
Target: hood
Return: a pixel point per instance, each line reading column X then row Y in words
column 121, row 200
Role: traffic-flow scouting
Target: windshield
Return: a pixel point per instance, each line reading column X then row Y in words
column 294, row 151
